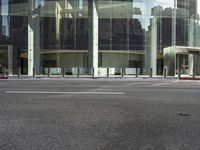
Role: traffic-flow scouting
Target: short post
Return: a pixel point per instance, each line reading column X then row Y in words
column 4, row 71
column 49, row 72
column 165, row 72
column 63, row 72
column 19, row 72
column 122, row 72
column 179, row 73
column 34, row 73
column 150, row 72
column 78, row 72
column 136, row 73
column 108, row 73
column 92, row 71
column 194, row 72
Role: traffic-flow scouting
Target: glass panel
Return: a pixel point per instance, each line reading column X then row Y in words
column 3, row 58
column 132, row 33
column 13, row 31
column 182, row 62
column 138, row 29
column 64, row 32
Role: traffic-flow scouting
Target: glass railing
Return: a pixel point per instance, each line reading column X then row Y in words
column 102, row 72
column 88, row 72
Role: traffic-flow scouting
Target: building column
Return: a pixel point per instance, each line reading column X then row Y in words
column 191, row 63
column 191, row 57
column 191, row 33
column 10, row 60
column 173, row 47
column 153, row 53
column 33, row 40
column 93, row 35
column 30, row 46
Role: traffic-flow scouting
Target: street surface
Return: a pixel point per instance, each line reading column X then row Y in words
column 99, row 114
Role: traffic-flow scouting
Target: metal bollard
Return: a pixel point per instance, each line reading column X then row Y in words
column 122, row 72
column 78, row 72
column 179, row 73
column 136, row 74
column 92, row 71
column 108, row 73
column 165, row 72
column 194, row 72
column 150, row 72
column 49, row 72
column 34, row 72
column 63, row 72
column 19, row 72
column 4, row 71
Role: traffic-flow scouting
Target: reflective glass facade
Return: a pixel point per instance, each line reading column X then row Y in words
column 131, row 33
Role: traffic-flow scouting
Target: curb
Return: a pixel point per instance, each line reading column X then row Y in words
column 188, row 78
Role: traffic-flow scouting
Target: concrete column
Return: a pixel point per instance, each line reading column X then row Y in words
column 37, row 44
column 191, row 63
column 10, row 60
column 171, row 69
column 33, row 40
column 174, row 23
column 191, row 57
column 153, row 56
column 30, row 49
column 58, row 17
column 191, row 31
column 93, row 35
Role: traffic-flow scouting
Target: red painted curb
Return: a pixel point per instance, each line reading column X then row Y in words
column 185, row 78
column 3, row 77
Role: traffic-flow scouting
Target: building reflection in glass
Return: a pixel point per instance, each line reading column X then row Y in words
column 131, row 33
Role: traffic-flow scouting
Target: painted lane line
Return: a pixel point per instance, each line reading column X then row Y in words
column 48, row 92
column 161, row 84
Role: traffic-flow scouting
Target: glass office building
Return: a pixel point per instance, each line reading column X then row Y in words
column 97, row 33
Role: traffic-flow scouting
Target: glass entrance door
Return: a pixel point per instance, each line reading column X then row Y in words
column 3, row 60
column 182, row 63
column 6, row 59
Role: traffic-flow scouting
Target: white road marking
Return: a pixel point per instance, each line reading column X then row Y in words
column 174, row 82
column 160, row 84
column 48, row 92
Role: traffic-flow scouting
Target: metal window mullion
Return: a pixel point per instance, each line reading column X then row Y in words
column 110, row 44
column 75, row 31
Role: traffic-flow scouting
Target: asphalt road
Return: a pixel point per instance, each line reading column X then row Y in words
column 99, row 115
